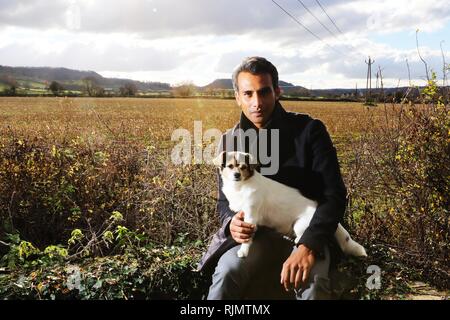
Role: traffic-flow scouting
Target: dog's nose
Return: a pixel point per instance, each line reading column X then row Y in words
column 237, row 174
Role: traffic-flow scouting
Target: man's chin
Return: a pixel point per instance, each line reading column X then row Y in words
column 257, row 121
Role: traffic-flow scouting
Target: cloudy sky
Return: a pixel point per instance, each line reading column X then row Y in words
column 201, row 40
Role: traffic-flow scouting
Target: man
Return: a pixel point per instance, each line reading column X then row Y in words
column 275, row 268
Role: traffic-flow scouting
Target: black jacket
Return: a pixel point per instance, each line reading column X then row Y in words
column 308, row 162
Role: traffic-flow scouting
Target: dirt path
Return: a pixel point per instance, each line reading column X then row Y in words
column 422, row 291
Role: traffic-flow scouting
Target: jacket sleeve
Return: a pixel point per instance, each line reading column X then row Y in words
column 222, row 207
column 332, row 202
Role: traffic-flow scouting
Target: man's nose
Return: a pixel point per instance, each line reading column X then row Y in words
column 257, row 101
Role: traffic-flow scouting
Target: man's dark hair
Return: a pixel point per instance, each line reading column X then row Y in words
column 256, row 66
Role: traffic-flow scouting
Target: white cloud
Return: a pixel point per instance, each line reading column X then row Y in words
column 200, row 40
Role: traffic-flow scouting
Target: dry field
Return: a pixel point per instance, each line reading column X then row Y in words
column 150, row 120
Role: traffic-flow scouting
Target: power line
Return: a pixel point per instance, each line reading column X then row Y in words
column 313, row 34
column 317, row 19
column 337, row 28
column 298, row 22
column 303, row 26
column 334, row 24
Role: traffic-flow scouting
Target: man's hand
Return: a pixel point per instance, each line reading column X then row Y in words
column 297, row 267
column 241, row 231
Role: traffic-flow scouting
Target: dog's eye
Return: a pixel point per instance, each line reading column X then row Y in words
column 243, row 167
column 230, row 166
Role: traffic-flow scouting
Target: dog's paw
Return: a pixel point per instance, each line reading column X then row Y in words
column 242, row 252
column 362, row 252
column 355, row 249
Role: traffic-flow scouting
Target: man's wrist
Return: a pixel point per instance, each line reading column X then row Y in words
column 301, row 246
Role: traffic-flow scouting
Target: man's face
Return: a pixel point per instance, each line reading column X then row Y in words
column 256, row 96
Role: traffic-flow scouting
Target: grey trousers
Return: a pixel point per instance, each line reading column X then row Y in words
column 258, row 275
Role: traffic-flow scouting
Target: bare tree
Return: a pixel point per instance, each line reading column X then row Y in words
column 128, row 89
column 92, row 87
column 11, row 82
column 184, row 89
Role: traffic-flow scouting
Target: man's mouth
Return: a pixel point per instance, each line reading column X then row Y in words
column 257, row 113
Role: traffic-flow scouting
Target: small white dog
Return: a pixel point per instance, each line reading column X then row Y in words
column 266, row 202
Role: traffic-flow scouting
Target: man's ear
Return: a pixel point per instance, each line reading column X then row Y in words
column 220, row 160
column 277, row 93
column 236, row 96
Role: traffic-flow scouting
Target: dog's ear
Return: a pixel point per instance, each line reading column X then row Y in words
column 248, row 158
column 251, row 161
column 220, row 160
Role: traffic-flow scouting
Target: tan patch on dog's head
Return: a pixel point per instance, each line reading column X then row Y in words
column 236, row 166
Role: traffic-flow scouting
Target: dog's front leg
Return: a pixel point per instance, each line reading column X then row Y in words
column 249, row 217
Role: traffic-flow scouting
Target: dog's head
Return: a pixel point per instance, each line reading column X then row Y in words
column 236, row 166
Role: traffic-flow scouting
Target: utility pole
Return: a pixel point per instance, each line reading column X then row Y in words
column 376, row 85
column 369, row 80
column 356, row 92
column 381, row 82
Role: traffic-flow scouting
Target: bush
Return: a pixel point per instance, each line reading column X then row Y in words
column 151, row 272
column 48, row 190
column 400, row 182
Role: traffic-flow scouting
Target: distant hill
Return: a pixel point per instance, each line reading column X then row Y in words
column 37, row 79
column 227, row 84
column 72, row 79
column 290, row 89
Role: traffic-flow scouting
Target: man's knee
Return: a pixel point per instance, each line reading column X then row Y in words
column 229, row 277
column 229, row 265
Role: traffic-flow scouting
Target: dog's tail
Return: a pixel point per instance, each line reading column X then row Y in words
column 347, row 244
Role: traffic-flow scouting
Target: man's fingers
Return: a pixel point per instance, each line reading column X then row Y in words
column 239, row 216
column 238, row 219
column 298, row 278
column 282, row 275
column 242, row 224
column 242, row 236
column 305, row 275
column 286, row 282
column 285, row 278
column 243, row 230
column 294, row 270
column 239, row 229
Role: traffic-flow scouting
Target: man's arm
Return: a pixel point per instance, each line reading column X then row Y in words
column 296, row 268
column 333, row 201
column 223, row 206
